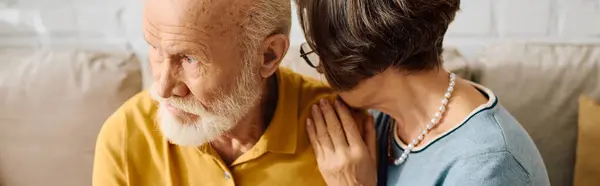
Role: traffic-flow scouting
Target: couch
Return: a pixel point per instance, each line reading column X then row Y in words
column 53, row 102
column 52, row 105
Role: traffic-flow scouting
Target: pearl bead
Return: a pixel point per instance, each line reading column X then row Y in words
column 429, row 126
column 399, row 161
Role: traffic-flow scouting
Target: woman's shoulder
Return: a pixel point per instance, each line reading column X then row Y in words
column 491, row 128
column 495, row 126
column 493, row 168
column 497, row 148
column 498, row 141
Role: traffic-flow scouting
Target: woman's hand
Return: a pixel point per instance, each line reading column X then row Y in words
column 344, row 157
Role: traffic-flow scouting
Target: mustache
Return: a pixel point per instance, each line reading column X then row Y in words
column 187, row 104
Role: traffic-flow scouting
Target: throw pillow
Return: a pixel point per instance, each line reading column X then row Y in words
column 587, row 164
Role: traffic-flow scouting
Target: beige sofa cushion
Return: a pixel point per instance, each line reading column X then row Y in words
column 453, row 61
column 52, row 105
column 540, row 83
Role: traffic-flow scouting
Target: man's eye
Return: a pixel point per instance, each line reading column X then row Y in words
column 189, row 59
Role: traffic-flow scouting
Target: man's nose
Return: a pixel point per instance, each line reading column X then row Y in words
column 169, row 84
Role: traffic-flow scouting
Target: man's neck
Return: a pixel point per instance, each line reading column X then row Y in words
column 248, row 131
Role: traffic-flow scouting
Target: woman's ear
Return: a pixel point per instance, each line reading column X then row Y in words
column 274, row 49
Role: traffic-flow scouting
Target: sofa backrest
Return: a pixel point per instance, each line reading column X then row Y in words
column 52, row 105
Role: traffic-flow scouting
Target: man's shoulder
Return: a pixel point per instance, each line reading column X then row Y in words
column 309, row 90
column 128, row 132
column 306, row 83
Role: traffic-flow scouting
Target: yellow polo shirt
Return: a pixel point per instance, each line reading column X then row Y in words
column 131, row 151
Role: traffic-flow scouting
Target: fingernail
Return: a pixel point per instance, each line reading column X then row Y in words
column 323, row 102
column 315, row 108
column 309, row 122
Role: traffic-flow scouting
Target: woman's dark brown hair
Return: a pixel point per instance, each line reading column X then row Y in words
column 356, row 39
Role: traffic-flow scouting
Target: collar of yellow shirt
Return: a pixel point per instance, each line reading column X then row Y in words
column 281, row 136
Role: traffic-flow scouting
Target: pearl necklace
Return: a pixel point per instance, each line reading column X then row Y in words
column 434, row 121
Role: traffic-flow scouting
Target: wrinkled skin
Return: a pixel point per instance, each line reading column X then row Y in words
column 344, row 158
column 197, row 55
column 175, row 30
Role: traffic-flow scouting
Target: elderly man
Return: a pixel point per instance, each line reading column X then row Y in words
column 221, row 111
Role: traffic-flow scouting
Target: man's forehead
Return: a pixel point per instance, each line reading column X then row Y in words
column 194, row 13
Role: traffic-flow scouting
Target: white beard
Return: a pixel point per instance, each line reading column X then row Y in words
column 226, row 111
column 192, row 133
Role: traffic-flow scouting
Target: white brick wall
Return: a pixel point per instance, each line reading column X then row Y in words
column 481, row 22
column 117, row 22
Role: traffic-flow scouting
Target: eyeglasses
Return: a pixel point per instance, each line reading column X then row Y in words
column 309, row 55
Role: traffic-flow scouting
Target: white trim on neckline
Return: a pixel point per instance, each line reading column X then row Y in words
column 491, row 100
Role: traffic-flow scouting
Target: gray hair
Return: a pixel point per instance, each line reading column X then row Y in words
column 264, row 18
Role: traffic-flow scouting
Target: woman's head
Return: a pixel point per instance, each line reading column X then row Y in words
column 358, row 39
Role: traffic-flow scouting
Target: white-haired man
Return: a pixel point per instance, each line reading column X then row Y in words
column 221, row 111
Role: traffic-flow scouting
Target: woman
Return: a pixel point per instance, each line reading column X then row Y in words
column 432, row 127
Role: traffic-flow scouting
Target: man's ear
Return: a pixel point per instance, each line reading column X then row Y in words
column 274, row 49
